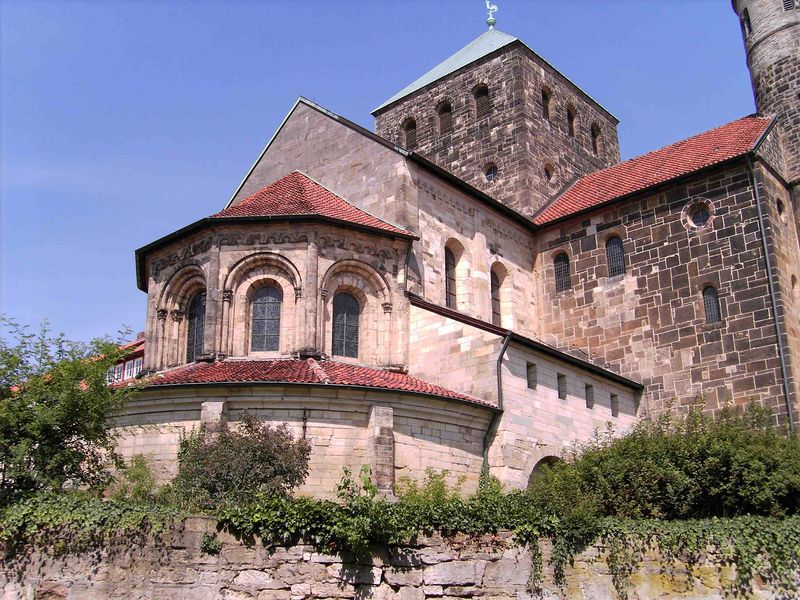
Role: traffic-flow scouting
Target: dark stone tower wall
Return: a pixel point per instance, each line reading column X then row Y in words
column 771, row 31
column 515, row 136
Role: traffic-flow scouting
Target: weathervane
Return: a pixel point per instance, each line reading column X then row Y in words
column 492, row 8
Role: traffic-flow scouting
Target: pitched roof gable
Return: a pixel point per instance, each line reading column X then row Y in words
column 706, row 149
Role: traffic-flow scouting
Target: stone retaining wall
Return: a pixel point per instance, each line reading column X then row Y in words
column 489, row 567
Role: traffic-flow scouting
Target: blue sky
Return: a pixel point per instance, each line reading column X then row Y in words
column 123, row 121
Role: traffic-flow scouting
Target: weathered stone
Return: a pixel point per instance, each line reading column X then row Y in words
column 400, row 577
column 356, row 574
column 257, row 580
column 460, row 573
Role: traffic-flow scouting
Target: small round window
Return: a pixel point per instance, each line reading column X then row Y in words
column 697, row 214
column 700, row 215
column 491, row 173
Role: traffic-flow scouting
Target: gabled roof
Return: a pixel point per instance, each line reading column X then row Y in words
column 712, row 147
column 308, row 371
column 296, row 194
column 481, row 46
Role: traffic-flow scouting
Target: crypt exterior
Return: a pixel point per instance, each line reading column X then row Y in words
column 481, row 282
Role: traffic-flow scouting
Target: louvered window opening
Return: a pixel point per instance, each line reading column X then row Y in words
column 346, row 312
column 266, row 319
column 445, row 119
column 450, row 278
column 589, row 396
column 546, row 105
column 595, row 139
column 788, row 4
column 482, row 103
column 561, row 272
column 195, row 326
column 411, row 134
column 533, row 376
column 562, row 386
column 700, row 216
column 711, row 305
column 615, row 255
column 571, row 123
column 496, row 317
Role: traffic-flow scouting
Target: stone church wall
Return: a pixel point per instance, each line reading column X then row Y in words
column 490, row 567
column 650, row 322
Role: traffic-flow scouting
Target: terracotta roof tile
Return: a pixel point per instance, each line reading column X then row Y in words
column 692, row 154
column 310, row 371
column 297, row 195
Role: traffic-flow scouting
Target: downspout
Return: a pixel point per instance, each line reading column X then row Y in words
column 499, row 412
column 773, row 299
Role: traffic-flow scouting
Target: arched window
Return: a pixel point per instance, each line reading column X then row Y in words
column 445, row 118
column 615, row 256
column 596, row 142
column 482, row 105
column 346, row 312
column 746, row 26
column 496, row 314
column 711, row 304
column 572, row 118
column 491, row 172
column 547, row 96
column 265, row 320
column 410, row 133
column 195, row 324
column 561, row 272
column 549, row 171
column 450, row 278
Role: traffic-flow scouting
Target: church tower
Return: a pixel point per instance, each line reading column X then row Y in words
column 501, row 118
column 771, row 31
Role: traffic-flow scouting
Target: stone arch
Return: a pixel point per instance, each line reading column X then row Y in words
column 375, row 299
column 544, row 456
column 502, row 275
column 241, row 282
column 185, row 283
column 462, row 265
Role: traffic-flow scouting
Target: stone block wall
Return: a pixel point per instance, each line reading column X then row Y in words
column 650, row 322
column 515, row 136
column 490, row 567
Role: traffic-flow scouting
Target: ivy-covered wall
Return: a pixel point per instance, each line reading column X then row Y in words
column 193, row 561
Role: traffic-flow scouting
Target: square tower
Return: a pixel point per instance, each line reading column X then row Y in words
column 504, row 120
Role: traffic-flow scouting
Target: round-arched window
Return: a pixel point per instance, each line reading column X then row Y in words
column 265, row 319
column 491, row 172
column 346, row 313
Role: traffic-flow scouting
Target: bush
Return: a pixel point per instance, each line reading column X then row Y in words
column 680, row 468
column 232, row 466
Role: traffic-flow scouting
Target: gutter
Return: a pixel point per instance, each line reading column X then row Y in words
column 498, row 413
column 778, row 332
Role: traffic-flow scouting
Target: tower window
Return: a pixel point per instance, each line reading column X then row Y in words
column 711, row 304
column 495, row 283
column 747, row 27
column 589, row 393
column 788, row 4
column 491, row 172
column 449, row 278
column 614, row 401
column 549, row 172
column 596, row 141
column 482, row 105
column 346, row 312
column 562, row 385
column 572, row 121
column 547, row 96
column 265, row 324
column 561, row 272
column 195, row 325
column 533, row 376
column 410, row 133
column 445, row 118
column 615, row 256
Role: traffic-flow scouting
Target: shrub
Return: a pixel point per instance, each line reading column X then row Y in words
column 679, row 468
column 135, row 482
column 232, row 466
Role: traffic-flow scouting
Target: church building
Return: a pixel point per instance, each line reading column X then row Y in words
column 480, row 283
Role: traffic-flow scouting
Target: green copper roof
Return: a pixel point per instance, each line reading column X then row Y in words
column 481, row 46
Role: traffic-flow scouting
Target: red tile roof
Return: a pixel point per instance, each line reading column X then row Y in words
column 692, row 154
column 298, row 195
column 309, row 371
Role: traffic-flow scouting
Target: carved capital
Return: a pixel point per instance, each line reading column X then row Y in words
column 298, row 292
column 387, row 307
column 161, row 313
column 177, row 315
column 227, row 295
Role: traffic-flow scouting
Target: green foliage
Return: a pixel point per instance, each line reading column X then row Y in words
column 75, row 521
column 211, row 544
column 55, row 407
column 135, row 482
column 679, row 468
column 232, row 466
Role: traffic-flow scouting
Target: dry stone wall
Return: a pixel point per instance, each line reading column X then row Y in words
column 489, row 567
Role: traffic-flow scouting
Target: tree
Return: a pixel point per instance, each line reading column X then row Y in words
column 55, row 411
column 232, row 466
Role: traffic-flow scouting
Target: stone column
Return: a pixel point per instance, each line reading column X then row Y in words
column 213, row 307
column 308, row 337
column 381, row 448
